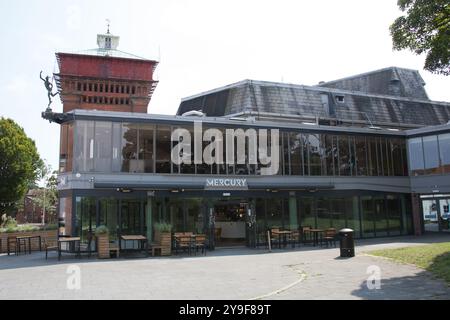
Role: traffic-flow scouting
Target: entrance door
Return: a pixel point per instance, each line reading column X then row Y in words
column 230, row 219
column 444, row 215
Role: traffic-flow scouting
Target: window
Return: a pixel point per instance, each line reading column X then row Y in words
column 444, row 147
column 416, row 161
column 84, row 146
column 108, row 43
column 315, row 155
column 361, row 156
column 340, row 99
column 163, row 149
column 295, row 148
column 431, row 153
column 129, row 148
column 344, row 156
column 146, row 148
column 102, row 161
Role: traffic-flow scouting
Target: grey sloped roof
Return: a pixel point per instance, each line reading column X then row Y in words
column 314, row 101
column 389, row 81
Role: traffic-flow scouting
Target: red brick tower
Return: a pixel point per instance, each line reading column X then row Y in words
column 105, row 78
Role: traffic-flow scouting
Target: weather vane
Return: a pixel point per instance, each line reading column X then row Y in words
column 49, row 87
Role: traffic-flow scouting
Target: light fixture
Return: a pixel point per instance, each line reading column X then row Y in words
column 124, row 190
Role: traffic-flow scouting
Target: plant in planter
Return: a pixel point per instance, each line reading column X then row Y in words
column 163, row 237
column 102, row 234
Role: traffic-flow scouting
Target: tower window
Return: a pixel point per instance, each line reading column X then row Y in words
column 340, row 99
column 101, row 87
column 90, row 86
column 95, row 87
column 133, row 90
column 84, row 87
column 108, row 43
column 78, row 86
column 117, row 88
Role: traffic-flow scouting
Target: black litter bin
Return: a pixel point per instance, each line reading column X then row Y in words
column 347, row 245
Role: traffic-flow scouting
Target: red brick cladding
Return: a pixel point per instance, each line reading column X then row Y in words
column 105, row 83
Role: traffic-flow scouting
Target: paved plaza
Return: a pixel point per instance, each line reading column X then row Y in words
column 239, row 273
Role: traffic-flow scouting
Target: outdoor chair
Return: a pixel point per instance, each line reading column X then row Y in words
column 294, row 238
column 183, row 243
column 86, row 247
column 49, row 245
column 274, row 239
column 305, row 234
column 17, row 244
column 114, row 247
column 200, row 243
column 329, row 237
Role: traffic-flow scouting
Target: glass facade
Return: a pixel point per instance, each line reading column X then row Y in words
column 369, row 216
column 429, row 155
column 142, row 148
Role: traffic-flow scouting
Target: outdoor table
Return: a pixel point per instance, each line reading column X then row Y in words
column 141, row 239
column 315, row 233
column 72, row 241
column 283, row 233
column 28, row 239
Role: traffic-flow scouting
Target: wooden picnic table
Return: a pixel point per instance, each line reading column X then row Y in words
column 284, row 234
column 143, row 241
column 72, row 241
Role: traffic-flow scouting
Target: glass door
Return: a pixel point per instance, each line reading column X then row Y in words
column 444, row 215
column 430, row 215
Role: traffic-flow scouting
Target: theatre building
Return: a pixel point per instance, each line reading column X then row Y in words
column 370, row 152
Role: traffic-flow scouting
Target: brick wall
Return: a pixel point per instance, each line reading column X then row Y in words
column 50, row 235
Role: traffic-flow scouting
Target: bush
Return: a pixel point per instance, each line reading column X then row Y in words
column 8, row 222
column 52, row 226
column 101, row 230
column 163, row 227
column 23, row 228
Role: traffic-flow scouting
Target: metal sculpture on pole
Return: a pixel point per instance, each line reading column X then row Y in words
column 49, row 86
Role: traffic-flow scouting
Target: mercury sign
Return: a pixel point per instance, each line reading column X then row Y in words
column 226, row 184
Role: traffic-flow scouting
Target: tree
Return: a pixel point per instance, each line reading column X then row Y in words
column 20, row 164
column 47, row 197
column 425, row 29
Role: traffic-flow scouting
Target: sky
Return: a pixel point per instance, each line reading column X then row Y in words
column 200, row 44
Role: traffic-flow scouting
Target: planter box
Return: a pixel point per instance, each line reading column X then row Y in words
column 50, row 235
column 103, row 246
column 164, row 240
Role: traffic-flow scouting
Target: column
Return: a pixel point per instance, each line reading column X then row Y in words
column 149, row 219
column 416, row 214
column 293, row 218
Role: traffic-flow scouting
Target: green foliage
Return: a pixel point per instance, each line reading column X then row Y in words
column 20, row 164
column 163, row 227
column 425, row 29
column 8, row 222
column 21, row 228
column 432, row 257
column 101, row 230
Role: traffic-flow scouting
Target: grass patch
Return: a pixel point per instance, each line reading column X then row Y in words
column 432, row 257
